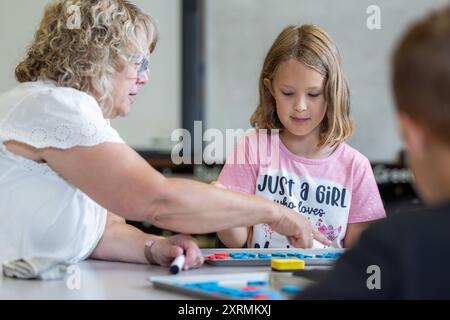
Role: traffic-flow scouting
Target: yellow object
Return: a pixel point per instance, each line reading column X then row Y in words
column 287, row 264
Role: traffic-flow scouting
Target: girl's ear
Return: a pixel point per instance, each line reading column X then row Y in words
column 268, row 85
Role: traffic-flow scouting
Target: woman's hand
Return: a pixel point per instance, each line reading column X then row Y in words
column 298, row 229
column 163, row 251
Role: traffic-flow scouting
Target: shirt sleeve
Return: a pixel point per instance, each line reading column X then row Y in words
column 366, row 204
column 60, row 118
column 241, row 168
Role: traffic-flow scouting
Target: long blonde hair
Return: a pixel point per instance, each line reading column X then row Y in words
column 310, row 45
column 85, row 56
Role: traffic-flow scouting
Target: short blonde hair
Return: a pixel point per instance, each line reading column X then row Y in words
column 85, row 56
column 310, row 45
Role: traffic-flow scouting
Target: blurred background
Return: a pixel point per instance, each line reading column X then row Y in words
column 207, row 64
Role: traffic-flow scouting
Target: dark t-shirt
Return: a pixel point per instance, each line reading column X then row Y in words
column 412, row 252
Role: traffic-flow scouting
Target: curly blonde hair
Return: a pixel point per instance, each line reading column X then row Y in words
column 310, row 45
column 84, row 55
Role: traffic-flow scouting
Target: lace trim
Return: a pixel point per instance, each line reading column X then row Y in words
column 27, row 164
column 62, row 136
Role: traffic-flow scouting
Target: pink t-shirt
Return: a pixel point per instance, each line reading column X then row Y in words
column 332, row 192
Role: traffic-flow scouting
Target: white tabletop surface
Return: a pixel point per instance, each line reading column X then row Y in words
column 107, row 280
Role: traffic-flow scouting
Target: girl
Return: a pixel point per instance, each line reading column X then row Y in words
column 307, row 166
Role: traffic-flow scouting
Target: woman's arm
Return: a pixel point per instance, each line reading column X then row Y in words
column 123, row 242
column 117, row 178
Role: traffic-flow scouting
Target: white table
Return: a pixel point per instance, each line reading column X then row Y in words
column 107, row 280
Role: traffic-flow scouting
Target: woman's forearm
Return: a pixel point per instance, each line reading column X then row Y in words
column 122, row 242
column 136, row 191
column 192, row 207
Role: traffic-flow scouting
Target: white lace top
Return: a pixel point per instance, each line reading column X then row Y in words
column 41, row 214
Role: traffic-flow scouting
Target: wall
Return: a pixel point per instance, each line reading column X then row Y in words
column 157, row 110
column 240, row 32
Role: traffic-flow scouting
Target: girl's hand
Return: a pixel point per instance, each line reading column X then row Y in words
column 164, row 250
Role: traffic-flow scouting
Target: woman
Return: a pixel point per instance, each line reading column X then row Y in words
column 67, row 179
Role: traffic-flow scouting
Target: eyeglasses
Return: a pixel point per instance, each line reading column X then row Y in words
column 142, row 64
